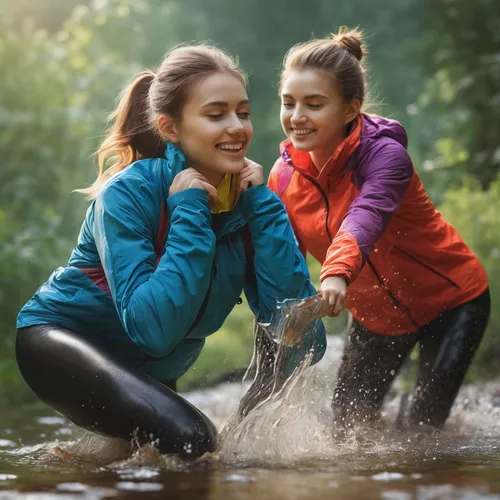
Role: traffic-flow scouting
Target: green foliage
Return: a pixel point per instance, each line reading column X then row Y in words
column 43, row 149
column 475, row 213
column 57, row 88
column 461, row 55
column 132, row 35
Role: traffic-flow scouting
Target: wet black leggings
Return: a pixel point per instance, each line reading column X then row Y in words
column 100, row 393
column 371, row 361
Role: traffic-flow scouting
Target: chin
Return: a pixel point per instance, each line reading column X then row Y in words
column 232, row 168
column 302, row 146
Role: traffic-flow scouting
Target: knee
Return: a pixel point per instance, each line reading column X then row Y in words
column 192, row 441
column 189, row 436
column 201, row 439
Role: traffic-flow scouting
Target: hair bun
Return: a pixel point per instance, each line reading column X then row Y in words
column 351, row 40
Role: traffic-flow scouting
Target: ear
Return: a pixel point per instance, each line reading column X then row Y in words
column 351, row 110
column 168, row 129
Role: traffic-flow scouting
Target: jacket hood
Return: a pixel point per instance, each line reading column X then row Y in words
column 375, row 126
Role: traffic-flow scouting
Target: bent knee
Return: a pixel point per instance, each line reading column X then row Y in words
column 194, row 441
column 200, row 441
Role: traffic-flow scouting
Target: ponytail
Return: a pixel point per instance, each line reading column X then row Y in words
column 131, row 137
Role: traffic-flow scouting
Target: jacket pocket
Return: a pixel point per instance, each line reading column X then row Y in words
column 426, row 266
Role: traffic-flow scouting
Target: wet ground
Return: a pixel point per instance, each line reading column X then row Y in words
column 286, row 452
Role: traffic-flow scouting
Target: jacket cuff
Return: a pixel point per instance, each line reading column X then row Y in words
column 255, row 195
column 343, row 259
column 190, row 197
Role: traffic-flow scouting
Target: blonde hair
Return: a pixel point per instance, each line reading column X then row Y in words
column 134, row 135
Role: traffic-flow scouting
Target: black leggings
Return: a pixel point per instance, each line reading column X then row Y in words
column 371, row 361
column 100, row 393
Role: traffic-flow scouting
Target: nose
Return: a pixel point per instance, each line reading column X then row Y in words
column 297, row 116
column 235, row 126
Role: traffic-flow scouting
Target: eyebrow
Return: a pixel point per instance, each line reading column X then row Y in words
column 310, row 96
column 223, row 103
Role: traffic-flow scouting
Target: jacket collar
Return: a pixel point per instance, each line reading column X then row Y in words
column 223, row 223
column 176, row 160
column 301, row 160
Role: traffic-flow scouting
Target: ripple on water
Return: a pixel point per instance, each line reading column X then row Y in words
column 143, row 487
column 387, row 476
column 52, row 420
column 5, row 443
column 239, row 478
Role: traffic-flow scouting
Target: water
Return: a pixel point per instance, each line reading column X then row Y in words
column 284, row 450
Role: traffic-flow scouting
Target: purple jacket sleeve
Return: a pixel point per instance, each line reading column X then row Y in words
column 383, row 179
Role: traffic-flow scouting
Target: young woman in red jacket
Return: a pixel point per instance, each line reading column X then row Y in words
column 358, row 206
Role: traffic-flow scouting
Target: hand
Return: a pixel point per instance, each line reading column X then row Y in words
column 251, row 175
column 191, row 178
column 333, row 291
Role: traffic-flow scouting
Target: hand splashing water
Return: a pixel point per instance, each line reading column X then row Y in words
column 280, row 417
column 274, row 348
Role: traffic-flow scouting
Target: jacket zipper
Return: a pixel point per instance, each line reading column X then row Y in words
column 204, row 304
column 396, row 301
column 323, row 195
column 429, row 268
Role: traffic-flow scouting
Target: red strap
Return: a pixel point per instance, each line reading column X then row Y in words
column 161, row 240
column 162, row 234
column 96, row 274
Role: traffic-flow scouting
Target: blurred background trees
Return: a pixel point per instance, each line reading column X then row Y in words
column 433, row 64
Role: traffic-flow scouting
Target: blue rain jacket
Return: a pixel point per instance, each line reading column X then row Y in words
column 154, row 307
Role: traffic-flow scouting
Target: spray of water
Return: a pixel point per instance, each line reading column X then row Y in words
column 280, row 422
column 282, row 419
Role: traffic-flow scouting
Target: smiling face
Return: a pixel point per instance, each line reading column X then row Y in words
column 214, row 130
column 314, row 114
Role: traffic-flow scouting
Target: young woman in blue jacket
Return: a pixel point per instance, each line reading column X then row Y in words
column 180, row 223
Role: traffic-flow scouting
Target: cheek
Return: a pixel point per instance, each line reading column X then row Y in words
column 327, row 121
column 285, row 115
column 196, row 138
column 204, row 134
column 249, row 130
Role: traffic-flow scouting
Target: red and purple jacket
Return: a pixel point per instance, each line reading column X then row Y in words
column 367, row 217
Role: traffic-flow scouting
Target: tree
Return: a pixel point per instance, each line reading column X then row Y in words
column 461, row 55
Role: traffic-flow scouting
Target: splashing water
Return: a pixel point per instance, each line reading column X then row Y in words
column 281, row 422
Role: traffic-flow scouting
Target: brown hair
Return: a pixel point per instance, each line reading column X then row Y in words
column 340, row 55
column 133, row 134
